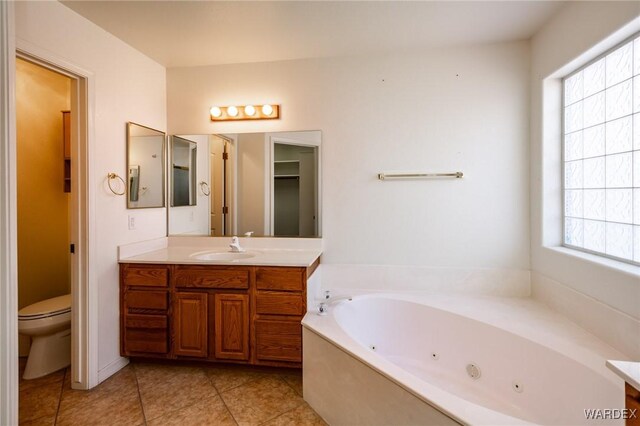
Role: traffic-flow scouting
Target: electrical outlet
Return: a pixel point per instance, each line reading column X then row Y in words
column 132, row 223
column 191, row 217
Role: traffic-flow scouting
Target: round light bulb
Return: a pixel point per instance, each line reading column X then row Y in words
column 232, row 111
column 215, row 111
column 249, row 110
column 267, row 109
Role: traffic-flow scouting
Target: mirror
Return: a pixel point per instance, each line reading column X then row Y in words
column 145, row 165
column 183, row 171
column 265, row 184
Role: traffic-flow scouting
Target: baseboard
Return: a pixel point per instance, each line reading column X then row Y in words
column 112, row 368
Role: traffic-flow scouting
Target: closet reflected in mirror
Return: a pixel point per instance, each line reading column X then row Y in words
column 145, row 167
column 258, row 184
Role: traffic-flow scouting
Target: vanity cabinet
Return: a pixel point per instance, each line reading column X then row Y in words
column 144, row 310
column 238, row 314
column 281, row 302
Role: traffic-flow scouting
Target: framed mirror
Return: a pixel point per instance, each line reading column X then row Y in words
column 183, row 172
column 145, row 166
column 262, row 184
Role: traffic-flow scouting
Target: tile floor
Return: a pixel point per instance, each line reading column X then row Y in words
column 164, row 394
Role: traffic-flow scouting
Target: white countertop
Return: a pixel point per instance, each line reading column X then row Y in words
column 265, row 251
column 262, row 257
column 628, row 370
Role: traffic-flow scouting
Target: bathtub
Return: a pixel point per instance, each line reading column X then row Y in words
column 436, row 359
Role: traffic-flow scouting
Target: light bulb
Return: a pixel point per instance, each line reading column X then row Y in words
column 215, row 111
column 232, row 111
column 249, row 110
column 267, row 109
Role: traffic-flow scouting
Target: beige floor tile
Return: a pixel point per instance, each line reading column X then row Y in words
column 206, row 412
column 167, row 388
column 302, row 415
column 295, row 381
column 39, row 397
column 225, row 377
column 260, row 400
column 115, row 401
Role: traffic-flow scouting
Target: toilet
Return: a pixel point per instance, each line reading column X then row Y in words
column 48, row 323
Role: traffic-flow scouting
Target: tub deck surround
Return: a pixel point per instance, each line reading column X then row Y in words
column 534, row 363
column 628, row 370
column 294, row 252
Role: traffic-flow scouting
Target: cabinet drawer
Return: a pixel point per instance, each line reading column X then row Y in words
column 145, row 276
column 211, row 277
column 146, row 341
column 285, row 279
column 279, row 304
column 145, row 321
column 145, row 301
column 279, row 340
column 146, row 334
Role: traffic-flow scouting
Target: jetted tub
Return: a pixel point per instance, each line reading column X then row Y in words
column 428, row 359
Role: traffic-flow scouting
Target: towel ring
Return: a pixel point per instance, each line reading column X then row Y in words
column 112, row 176
column 204, row 185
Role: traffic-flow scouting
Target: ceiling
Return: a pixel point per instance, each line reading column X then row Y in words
column 194, row 33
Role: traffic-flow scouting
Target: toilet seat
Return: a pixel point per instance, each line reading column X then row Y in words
column 46, row 308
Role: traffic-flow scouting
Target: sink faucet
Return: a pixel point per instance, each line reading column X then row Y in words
column 235, row 245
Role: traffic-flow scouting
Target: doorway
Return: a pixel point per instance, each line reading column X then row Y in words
column 294, row 196
column 43, row 102
column 70, row 178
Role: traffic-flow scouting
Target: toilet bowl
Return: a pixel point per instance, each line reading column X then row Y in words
column 48, row 323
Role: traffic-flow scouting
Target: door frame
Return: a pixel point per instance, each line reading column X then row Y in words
column 269, row 179
column 84, row 304
column 8, row 222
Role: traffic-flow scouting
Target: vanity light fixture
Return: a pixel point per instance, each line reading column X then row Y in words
column 267, row 109
column 249, row 110
column 215, row 112
column 232, row 111
column 244, row 112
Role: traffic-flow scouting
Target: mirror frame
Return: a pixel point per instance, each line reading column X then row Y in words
column 164, row 165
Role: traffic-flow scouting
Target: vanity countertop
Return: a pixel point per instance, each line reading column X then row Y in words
column 195, row 251
column 628, row 370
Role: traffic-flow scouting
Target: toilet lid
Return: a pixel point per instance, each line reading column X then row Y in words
column 56, row 305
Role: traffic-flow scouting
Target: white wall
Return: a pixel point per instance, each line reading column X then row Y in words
column 443, row 110
column 603, row 296
column 127, row 86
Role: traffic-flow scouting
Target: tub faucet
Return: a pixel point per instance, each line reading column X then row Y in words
column 323, row 307
column 235, row 245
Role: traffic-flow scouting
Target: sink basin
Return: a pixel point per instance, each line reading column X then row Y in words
column 222, row 255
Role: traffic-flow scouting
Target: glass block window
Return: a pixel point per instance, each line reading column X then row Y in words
column 601, row 156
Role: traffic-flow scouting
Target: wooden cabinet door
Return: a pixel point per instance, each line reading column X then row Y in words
column 190, row 324
column 232, row 326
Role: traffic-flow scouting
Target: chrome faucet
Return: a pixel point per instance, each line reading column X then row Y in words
column 323, row 307
column 235, row 245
